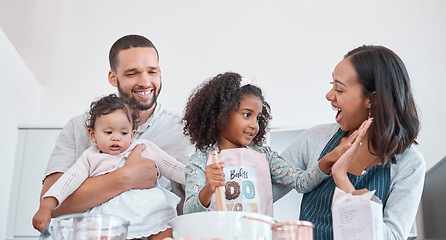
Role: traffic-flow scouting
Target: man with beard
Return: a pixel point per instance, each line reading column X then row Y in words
column 135, row 72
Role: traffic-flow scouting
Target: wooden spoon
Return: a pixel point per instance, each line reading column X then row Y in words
column 219, row 191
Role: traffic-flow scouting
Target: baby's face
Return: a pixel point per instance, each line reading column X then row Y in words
column 112, row 132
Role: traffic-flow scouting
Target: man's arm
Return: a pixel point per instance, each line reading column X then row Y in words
column 137, row 173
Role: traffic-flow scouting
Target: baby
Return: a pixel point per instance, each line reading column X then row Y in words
column 111, row 126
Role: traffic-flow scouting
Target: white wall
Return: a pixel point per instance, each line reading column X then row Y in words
column 290, row 46
column 20, row 97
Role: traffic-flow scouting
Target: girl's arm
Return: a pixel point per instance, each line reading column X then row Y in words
column 195, row 181
column 283, row 173
column 306, row 180
column 214, row 178
column 198, row 190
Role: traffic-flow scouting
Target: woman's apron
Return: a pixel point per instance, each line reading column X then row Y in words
column 248, row 181
column 316, row 205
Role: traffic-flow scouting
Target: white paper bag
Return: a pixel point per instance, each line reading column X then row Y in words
column 356, row 215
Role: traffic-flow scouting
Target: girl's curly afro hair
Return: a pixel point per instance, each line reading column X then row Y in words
column 209, row 106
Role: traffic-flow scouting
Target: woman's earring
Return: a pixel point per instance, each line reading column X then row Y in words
column 370, row 113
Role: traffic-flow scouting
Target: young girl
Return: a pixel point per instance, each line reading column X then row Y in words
column 228, row 114
column 111, row 125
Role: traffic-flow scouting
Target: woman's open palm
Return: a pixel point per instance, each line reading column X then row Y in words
column 339, row 169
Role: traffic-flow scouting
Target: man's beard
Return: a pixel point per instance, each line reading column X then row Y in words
column 135, row 103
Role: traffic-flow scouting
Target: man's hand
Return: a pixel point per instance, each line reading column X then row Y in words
column 139, row 172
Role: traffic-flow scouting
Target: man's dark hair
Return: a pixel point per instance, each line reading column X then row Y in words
column 126, row 42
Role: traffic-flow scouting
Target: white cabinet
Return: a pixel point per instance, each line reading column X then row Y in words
column 33, row 150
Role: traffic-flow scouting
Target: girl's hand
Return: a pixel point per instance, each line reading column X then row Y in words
column 330, row 158
column 214, row 178
column 339, row 169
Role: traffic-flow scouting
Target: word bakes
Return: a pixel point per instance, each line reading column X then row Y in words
column 240, row 174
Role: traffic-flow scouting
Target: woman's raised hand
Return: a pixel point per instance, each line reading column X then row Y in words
column 326, row 163
column 339, row 169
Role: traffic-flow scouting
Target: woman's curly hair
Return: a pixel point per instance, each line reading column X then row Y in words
column 209, row 106
column 107, row 105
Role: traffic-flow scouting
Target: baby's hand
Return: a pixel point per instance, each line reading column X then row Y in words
column 214, row 176
column 42, row 219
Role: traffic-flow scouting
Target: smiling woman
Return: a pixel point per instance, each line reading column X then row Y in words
column 371, row 81
column 346, row 97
